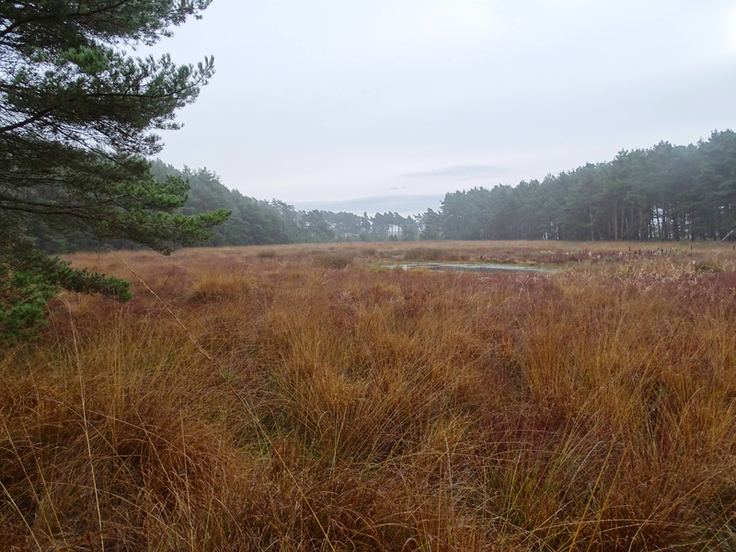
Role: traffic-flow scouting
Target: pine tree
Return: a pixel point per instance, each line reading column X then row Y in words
column 78, row 117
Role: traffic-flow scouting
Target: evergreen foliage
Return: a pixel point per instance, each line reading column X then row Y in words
column 665, row 192
column 77, row 121
column 252, row 221
column 260, row 222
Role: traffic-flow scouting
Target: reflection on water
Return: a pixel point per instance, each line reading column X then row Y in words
column 485, row 268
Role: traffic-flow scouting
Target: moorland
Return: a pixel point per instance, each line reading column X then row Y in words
column 315, row 398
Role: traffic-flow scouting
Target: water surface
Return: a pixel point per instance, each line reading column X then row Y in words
column 483, row 268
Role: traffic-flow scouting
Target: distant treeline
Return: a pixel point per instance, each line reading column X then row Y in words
column 259, row 222
column 252, row 221
column 665, row 193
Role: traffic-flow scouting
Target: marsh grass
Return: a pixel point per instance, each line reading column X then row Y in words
column 346, row 408
column 333, row 260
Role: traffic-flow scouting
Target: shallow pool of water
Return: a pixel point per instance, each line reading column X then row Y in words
column 484, row 268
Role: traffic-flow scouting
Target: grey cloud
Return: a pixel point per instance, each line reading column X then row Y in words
column 465, row 172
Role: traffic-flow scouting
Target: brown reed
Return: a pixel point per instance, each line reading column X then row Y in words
column 388, row 409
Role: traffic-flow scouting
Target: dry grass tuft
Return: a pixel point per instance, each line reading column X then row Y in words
column 348, row 408
column 333, row 260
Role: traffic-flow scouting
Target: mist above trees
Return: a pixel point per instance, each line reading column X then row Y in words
column 665, row 192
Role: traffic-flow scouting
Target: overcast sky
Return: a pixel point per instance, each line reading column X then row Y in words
column 324, row 102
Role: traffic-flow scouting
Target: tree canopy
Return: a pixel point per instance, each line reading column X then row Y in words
column 664, row 192
column 78, row 117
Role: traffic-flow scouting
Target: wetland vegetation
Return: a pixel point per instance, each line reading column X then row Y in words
column 310, row 398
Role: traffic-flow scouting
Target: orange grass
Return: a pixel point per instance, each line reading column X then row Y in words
column 353, row 407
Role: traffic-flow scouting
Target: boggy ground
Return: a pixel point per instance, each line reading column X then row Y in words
column 304, row 398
